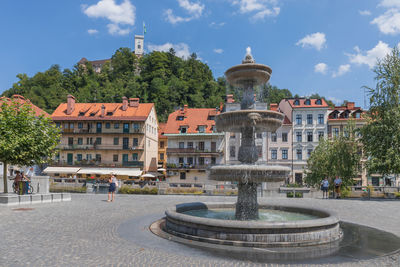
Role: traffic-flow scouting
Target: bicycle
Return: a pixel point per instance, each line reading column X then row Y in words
column 16, row 188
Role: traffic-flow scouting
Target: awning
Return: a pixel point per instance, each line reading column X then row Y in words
column 107, row 171
column 161, row 170
column 61, row 170
column 148, row 175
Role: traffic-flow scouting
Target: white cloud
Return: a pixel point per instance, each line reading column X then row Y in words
column 260, row 8
column 321, row 68
column 181, row 49
column 114, row 29
column 341, row 70
column 218, row 50
column 316, row 40
column 217, row 25
column 194, row 9
column 335, row 100
column 122, row 14
column 370, row 57
column 92, row 31
column 390, row 3
column 389, row 22
column 364, row 12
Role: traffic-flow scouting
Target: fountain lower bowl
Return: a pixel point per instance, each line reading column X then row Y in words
column 249, row 173
column 323, row 231
column 261, row 120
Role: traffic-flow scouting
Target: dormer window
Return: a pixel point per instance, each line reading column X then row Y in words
column 92, row 114
column 296, row 102
column 357, row 115
column 307, row 102
column 334, row 115
column 211, row 118
column 318, row 102
column 183, row 130
column 180, row 118
column 213, row 129
column 109, row 113
column 81, row 113
column 202, row 128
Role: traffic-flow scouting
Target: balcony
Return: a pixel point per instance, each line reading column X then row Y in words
column 103, row 131
column 100, row 147
column 186, row 166
column 192, row 151
column 138, row 164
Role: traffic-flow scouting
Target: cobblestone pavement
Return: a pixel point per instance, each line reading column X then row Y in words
column 88, row 231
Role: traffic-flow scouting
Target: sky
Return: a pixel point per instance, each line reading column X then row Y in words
column 313, row 46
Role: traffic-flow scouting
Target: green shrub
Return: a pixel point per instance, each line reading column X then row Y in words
column 298, row 195
column 67, row 189
column 126, row 189
column 182, row 190
column 397, row 194
column 346, row 192
column 289, row 194
column 294, row 185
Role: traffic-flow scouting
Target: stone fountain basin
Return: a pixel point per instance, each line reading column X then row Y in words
column 242, row 74
column 321, row 231
column 249, row 173
column 236, row 121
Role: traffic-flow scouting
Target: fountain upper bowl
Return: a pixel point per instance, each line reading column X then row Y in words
column 243, row 74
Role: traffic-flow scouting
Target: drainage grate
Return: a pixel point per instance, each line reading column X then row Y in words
column 22, row 209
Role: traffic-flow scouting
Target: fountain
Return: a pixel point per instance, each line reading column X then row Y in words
column 290, row 231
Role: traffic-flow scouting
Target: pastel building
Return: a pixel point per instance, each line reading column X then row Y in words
column 107, row 134
column 193, row 145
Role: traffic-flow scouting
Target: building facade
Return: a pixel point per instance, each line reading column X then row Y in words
column 162, row 146
column 193, row 145
column 309, row 123
column 107, row 134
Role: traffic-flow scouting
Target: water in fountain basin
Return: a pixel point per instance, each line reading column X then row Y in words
column 264, row 215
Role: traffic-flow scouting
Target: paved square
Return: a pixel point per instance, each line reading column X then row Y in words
column 92, row 232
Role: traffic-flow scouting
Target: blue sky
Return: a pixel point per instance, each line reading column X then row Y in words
column 313, row 46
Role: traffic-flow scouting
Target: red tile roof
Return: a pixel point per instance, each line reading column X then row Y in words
column 161, row 130
column 192, row 118
column 302, row 103
column 92, row 111
column 350, row 108
column 20, row 99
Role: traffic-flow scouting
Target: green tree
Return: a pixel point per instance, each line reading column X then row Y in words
column 381, row 135
column 339, row 156
column 25, row 138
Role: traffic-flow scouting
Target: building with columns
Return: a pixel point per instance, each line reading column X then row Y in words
column 107, row 134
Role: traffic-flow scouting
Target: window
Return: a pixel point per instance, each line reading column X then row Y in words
column 183, row 129
column 357, row 115
column 88, row 156
column 125, row 127
column 284, row 154
column 299, row 154
column 309, row 136
column 190, row 144
column 71, row 125
column 259, row 135
column 116, row 125
column 307, row 102
column 162, row 144
column 58, row 125
column 284, row 137
column 201, row 146
column 190, row 160
column 201, row 161
column 98, row 140
column 318, row 102
column 179, row 118
column 296, row 102
column 181, row 160
column 213, row 160
column 79, row 157
column 116, row 141
column 298, row 119
column 109, row 113
column 98, row 157
column 80, row 141
column 298, row 136
column 125, row 157
column 135, row 156
column 211, row 118
column 335, row 132
column 89, row 140
column 320, row 118
column 320, row 135
column 135, row 142
column 274, row 154
column 80, row 125
column 66, row 125
column 70, row 141
column 232, row 151
column 309, row 151
column 202, row 128
column 182, row 175
column 161, row 156
column 115, row 158
column 213, row 129
column 309, row 119
column 181, row 144
column 273, row 137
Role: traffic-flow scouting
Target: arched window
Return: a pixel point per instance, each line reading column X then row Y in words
column 296, row 102
column 307, row 102
column 318, row 102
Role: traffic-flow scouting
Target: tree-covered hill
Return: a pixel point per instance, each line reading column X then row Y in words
column 158, row 77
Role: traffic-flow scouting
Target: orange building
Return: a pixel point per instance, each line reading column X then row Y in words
column 162, row 146
column 107, row 134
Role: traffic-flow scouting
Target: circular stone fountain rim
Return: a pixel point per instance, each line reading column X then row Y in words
column 329, row 220
column 245, row 111
column 248, row 66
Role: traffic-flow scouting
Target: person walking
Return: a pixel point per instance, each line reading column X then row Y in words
column 324, row 188
column 337, row 183
column 113, row 186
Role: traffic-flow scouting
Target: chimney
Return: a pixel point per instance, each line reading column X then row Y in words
column 185, row 108
column 221, row 106
column 103, row 111
column 70, row 104
column 273, row 106
column 229, row 99
column 133, row 102
column 124, row 103
column 350, row 105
